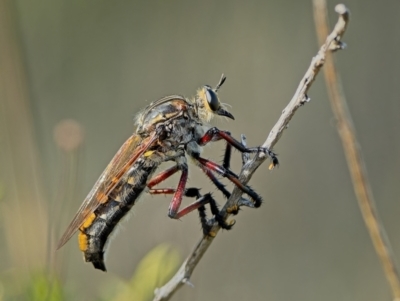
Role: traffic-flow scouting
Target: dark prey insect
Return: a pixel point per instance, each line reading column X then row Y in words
column 166, row 130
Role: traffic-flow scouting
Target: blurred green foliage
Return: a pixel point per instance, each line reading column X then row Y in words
column 32, row 286
column 43, row 288
column 153, row 270
column 157, row 266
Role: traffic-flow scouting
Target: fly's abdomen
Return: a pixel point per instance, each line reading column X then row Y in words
column 96, row 229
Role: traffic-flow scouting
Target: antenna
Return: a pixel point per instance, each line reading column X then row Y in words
column 221, row 82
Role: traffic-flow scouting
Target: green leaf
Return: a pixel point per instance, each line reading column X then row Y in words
column 153, row 270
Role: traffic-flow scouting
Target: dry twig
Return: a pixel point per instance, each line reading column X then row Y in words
column 250, row 166
column 354, row 158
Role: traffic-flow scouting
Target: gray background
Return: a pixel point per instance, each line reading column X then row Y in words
column 98, row 62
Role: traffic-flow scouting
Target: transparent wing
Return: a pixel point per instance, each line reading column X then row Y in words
column 129, row 152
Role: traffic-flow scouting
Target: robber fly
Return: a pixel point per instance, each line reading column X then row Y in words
column 166, row 130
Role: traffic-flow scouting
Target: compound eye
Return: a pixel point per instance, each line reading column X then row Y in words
column 212, row 98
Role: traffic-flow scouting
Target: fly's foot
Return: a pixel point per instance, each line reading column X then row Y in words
column 207, row 226
column 211, row 234
column 274, row 159
column 207, row 230
column 244, row 202
column 268, row 152
column 222, row 223
column 271, row 154
column 233, row 210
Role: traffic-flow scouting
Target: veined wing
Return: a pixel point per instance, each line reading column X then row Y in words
column 129, row 152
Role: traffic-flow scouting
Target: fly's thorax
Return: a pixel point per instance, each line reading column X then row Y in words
column 193, row 149
column 161, row 111
column 181, row 131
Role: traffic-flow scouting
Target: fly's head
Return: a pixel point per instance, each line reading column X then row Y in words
column 208, row 104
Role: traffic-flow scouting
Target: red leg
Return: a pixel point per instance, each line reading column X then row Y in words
column 199, row 204
column 162, row 176
column 216, row 182
column 208, row 173
column 212, row 166
column 174, row 211
column 215, row 134
column 162, row 191
column 191, row 192
column 195, row 205
column 180, row 190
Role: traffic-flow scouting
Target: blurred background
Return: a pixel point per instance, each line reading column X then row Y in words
column 73, row 74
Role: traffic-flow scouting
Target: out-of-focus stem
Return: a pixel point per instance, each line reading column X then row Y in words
column 354, row 158
column 23, row 210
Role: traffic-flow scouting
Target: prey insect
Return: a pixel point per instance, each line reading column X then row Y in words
column 169, row 129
